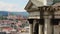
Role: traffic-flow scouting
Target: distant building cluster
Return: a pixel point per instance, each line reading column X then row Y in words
column 10, row 22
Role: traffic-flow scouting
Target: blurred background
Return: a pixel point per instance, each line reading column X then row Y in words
column 13, row 17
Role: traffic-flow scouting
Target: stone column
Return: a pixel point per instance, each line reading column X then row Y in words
column 40, row 29
column 31, row 26
column 47, row 25
column 40, row 26
column 41, row 22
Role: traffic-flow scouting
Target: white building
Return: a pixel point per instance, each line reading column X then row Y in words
column 48, row 16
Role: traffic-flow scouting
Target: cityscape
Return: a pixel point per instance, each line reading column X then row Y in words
column 11, row 21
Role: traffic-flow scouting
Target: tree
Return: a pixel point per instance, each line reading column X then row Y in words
column 1, row 17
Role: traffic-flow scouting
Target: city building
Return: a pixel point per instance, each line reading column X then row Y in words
column 44, row 19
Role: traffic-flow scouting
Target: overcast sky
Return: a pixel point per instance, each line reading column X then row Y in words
column 12, row 5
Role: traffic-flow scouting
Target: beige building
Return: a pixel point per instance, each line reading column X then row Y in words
column 44, row 19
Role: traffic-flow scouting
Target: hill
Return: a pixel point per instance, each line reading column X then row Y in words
column 19, row 13
column 3, row 13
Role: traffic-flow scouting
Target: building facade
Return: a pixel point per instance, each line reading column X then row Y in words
column 44, row 19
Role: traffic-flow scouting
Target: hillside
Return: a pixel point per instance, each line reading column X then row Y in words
column 19, row 13
column 3, row 13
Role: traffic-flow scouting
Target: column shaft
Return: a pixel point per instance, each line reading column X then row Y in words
column 31, row 29
column 41, row 26
column 31, row 26
column 48, row 27
column 40, row 29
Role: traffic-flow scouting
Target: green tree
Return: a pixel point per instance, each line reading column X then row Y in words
column 1, row 17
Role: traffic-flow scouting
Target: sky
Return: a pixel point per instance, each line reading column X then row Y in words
column 13, row 5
